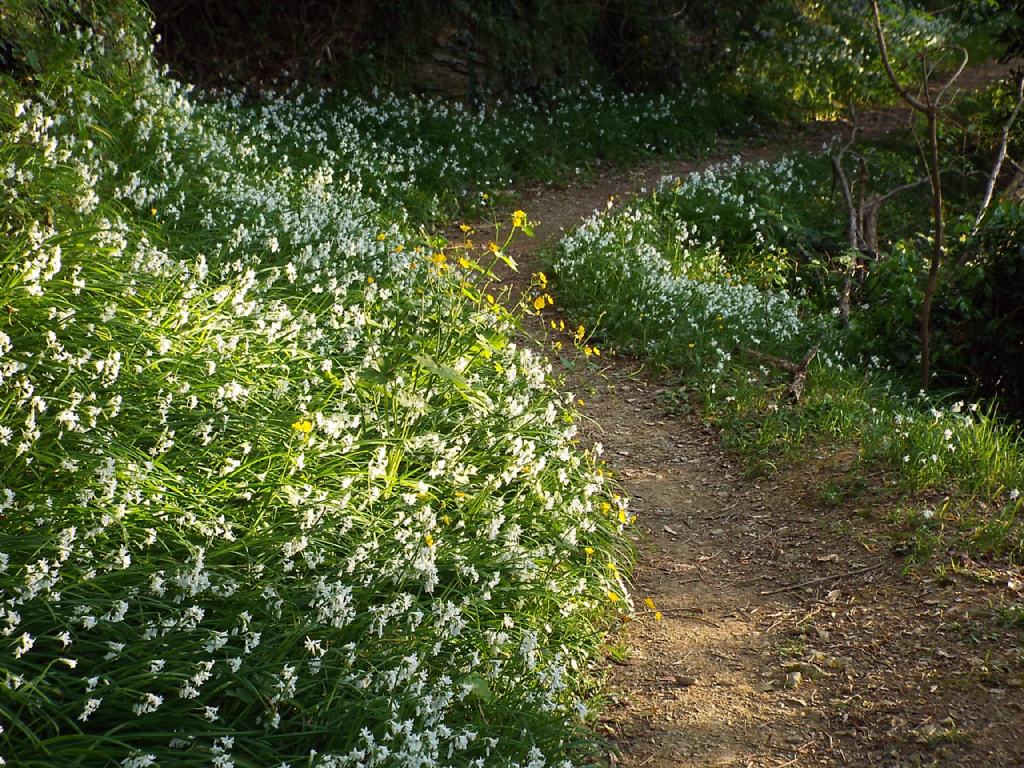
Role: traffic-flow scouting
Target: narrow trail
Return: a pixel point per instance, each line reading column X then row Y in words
column 790, row 636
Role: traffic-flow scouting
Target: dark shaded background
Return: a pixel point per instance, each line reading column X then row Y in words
column 457, row 48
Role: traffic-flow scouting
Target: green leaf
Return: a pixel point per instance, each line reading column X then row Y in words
column 373, row 376
column 446, row 372
column 479, row 688
column 457, row 380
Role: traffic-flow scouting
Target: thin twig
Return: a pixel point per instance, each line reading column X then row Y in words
column 854, row 572
column 853, row 234
column 677, row 610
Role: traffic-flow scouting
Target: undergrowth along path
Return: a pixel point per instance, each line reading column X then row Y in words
column 790, row 634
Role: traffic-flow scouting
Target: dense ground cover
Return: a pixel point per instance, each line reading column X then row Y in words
column 434, row 159
column 277, row 485
column 722, row 273
column 278, row 488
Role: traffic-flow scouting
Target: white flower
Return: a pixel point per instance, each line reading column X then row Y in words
column 90, row 706
column 150, row 703
column 25, row 643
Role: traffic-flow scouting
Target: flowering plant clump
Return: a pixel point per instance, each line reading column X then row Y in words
column 276, row 487
column 701, row 276
column 433, row 158
column 680, row 275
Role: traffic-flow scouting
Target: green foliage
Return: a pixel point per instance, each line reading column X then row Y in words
column 747, row 255
column 822, row 56
column 276, row 484
column 979, row 120
column 443, row 155
column 676, row 277
column 980, row 325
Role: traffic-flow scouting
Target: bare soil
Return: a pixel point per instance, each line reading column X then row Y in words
column 793, row 633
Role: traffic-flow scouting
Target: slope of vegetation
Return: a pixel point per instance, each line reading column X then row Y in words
column 738, row 270
column 276, row 485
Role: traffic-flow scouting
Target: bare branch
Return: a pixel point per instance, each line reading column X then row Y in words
column 959, row 70
column 852, row 237
column 796, row 389
column 993, row 177
column 875, row 201
column 869, row 219
column 776, row 362
column 799, row 370
column 880, row 36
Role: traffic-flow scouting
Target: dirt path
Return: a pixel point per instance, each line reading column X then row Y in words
column 791, row 636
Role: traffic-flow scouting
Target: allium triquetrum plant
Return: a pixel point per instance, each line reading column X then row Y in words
column 276, row 488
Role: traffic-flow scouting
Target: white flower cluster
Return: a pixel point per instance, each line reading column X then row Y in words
column 662, row 279
column 274, row 486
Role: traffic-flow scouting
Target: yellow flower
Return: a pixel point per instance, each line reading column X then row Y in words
column 153, row 211
column 464, row 262
column 439, row 258
column 465, row 227
column 303, row 425
column 580, row 333
column 538, row 303
column 494, row 247
column 541, row 278
column 382, row 236
column 518, row 218
column 589, row 551
column 650, row 604
column 613, row 597
column 429, row 539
